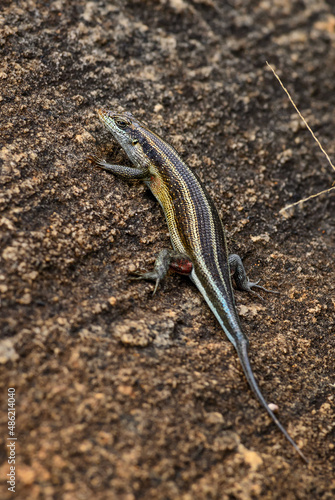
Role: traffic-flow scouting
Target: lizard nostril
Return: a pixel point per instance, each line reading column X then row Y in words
column 102, row 112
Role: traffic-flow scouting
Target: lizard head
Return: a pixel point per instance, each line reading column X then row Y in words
column 121, row 125
column 127, row 130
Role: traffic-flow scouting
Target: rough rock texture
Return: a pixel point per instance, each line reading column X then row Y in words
column 121, row 395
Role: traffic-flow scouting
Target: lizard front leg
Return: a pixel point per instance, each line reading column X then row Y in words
column 130, row 173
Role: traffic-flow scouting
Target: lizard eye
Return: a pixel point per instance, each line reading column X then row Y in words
column 121, row 123
column 135, row 141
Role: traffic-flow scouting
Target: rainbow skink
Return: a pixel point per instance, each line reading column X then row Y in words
column 196, row 231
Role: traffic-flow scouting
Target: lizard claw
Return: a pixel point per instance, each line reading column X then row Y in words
column 151, row 275
column 251, row 284
column 248, row 285
column 95, row 159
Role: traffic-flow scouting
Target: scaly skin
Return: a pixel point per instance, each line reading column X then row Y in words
column 195, row 229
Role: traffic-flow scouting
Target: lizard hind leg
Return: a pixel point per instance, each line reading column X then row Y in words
column 166, row 259
column 241, row 279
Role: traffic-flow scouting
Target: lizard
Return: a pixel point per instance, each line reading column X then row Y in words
column 196, row 231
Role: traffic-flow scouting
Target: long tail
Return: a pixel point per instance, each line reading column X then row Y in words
column 242, row 352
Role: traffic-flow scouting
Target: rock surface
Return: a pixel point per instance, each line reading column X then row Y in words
column 121, row 395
